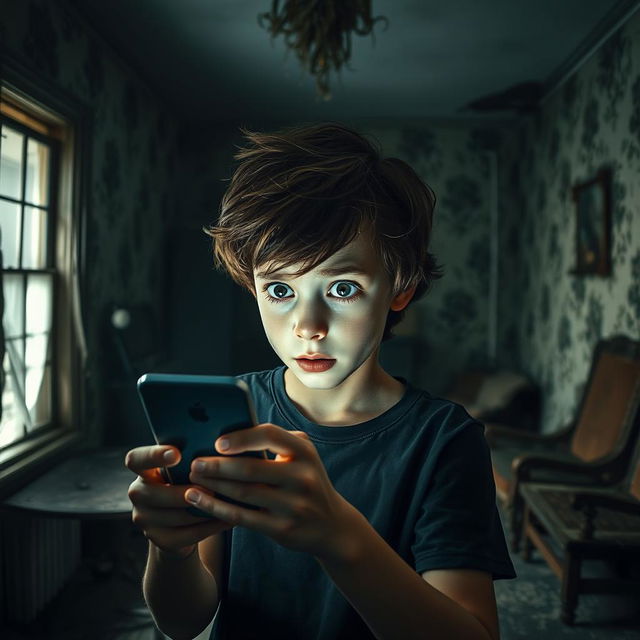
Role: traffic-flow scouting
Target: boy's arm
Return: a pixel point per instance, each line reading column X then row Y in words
column 473, row 590
column 180, row 592
column 396, row 602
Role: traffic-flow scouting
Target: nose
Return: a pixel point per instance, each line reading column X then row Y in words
column 310, row 323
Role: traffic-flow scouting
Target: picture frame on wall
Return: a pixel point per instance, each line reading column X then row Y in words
column 593, row 225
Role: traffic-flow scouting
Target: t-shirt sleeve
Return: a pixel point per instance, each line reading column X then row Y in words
column 459, row 525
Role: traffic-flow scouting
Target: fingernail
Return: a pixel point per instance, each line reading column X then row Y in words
column 193, row 496
column 170, row 456
column 223, row 444
column 199, row 466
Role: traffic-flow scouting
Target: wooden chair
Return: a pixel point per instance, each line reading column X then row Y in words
column 601, row 523
column 595, row 448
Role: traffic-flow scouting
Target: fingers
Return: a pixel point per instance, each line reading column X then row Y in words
column 160, row 508
column 146, row 461
column 288, row 444
column 233, row 515
column 248, row 492
column 155, row 495
column 245, row 469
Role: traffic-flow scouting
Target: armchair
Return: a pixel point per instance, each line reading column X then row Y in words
column 594, row 448
column 570, row 524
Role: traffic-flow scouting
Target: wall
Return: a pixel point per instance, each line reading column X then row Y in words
column 551, row 320
column 449, row 328
column 133, row 161
column 201, row 311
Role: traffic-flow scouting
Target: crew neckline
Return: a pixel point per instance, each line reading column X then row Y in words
column 319, row 432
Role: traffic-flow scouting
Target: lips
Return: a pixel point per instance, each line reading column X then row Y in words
column 315, row 363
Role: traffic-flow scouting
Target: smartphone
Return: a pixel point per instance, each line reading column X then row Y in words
column 191, row 412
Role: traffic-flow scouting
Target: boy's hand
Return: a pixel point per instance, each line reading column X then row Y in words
column 159, row 508
column 299, row 508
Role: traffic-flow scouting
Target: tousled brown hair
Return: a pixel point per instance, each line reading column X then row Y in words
column 301, row 194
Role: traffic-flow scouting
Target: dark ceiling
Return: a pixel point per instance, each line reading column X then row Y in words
column 212, row 61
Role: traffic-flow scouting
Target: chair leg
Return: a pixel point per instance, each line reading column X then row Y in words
column 527, row 545
column 569, row 593
column 516, row 523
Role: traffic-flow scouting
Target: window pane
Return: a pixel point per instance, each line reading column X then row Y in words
column 39, row 299
column 15, row 353
column 36, row 352
column 11, row 427
column 14, row 291
column 11, row 163
column 10, row 232
column 37, row 187
column 34, row 240
column 37, row 388
column 40, row 410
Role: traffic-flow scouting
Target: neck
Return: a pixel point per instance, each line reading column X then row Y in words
column 365, row 394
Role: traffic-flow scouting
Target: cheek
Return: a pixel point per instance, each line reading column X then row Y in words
column 270, row 320
column 275, row 326
column 362, row 322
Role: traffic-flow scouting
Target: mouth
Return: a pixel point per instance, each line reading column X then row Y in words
column 315, row 364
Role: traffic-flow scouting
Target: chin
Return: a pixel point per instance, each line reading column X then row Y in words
column 326, row 380
column 316, row 380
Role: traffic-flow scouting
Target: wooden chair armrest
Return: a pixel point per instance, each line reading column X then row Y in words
column 495, row 432
column 585, row 501
column 523, row 465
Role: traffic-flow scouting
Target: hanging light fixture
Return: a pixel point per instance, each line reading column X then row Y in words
column 319, row 31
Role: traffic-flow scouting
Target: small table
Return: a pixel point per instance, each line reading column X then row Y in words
column 90, row 486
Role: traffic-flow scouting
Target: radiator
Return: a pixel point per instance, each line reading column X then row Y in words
column 37, row 557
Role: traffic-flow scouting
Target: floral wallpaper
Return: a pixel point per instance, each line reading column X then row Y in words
column 448, row 329
column 549, row 319
column 133, row 161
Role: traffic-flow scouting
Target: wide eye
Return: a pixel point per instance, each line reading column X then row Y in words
column 279, row 291
column 343, row 290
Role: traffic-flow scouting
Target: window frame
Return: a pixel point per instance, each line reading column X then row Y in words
column 70, row 119
column 50, row 268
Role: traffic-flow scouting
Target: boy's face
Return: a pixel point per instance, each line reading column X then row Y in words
column 337, row 311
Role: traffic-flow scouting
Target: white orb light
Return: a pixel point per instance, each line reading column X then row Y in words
column 120, row 318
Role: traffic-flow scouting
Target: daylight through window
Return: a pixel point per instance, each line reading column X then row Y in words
column 28, row 161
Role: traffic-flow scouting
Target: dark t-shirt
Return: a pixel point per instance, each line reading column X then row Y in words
column 421, row 475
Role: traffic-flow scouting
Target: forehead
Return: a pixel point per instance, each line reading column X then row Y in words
column 358, row 256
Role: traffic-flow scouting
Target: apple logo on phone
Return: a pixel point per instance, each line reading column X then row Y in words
column 198, row 413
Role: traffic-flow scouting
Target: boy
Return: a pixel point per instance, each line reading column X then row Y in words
column 376, row 512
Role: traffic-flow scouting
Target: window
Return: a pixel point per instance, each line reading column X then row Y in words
column 42, row 339
column 28, row 162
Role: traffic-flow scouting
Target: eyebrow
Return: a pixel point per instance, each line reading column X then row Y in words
column 328, row 272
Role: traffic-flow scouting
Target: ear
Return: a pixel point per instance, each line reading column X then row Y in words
column 402, row 299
